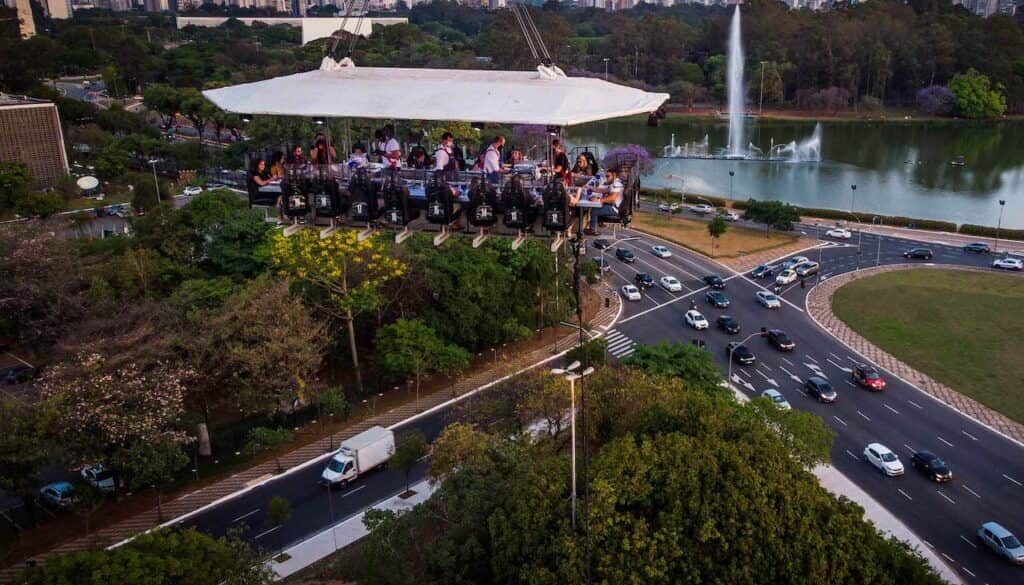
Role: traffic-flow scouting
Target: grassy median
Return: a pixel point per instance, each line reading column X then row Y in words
column 964, row 329
column 693, row 234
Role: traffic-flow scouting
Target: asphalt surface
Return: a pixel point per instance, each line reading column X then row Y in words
column 988, row 468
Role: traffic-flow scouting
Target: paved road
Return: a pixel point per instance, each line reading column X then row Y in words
column 989, row 469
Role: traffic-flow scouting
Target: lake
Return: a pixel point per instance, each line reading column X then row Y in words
column 899, row 168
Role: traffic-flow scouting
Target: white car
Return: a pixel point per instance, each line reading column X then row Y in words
column 661, row 251
column 885, row 460
column 668, row 207
column 794, row 261
column 631, row 293
column 842, row 234
column 99, row 477
column 1008, row 264
column 671, row 284
column 731, row 216
column 192, row 190
column 695, row 319
column 702, row 209
column 777, row 399
column 768, row 300
column 786, row 277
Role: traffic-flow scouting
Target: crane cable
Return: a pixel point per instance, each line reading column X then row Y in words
column 538, row 49
column 344, row 21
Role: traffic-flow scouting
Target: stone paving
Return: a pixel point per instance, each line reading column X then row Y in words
column 195, row 500
column 819, row 306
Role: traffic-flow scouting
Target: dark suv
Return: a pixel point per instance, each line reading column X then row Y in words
column 714, row 281
column 819, row 388
column 977, row 248
column 626, row 255
column 780, row 340
column 728, row 324
column 716, row 299
column 643, row 280
column 920, row 253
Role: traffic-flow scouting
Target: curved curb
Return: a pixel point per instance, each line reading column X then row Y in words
column 818, row 303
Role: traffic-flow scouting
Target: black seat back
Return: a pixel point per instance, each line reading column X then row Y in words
column 440, row 200
column 556, row 206
column 482, row 198
column 397, row 210
column 363, row 194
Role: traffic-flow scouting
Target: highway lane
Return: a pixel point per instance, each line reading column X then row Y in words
column 989, row 469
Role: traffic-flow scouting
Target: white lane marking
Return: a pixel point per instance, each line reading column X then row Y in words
column 743, row 373
column 945, row 441
column 909, row 448
column 839, row 419
column 891, row 408
column 1013, row 480
column 969, row 435
column 810, row 357
column 968, row 571
column 852, row 455
column 949, row 558
column 843, row 368
column 835, row 356
column 905, row 494
column 626, row 353
column 788, row 362
column 266, row 532
column 765, row 366
column 244, row 516
column 613, row 335
column 352, row 491
column 974, row 493
column 928, row 544
column 948, row 499
column 965, row 539
column 850, row 383
column 864, row 416
column 915, row 405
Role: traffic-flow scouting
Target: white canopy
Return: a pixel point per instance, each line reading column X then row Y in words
column 545, row 96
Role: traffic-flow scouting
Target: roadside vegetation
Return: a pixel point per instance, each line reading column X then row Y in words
column 959, row 327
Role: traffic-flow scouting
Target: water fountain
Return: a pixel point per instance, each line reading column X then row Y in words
column 806, row 150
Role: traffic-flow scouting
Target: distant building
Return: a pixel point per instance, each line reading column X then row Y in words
column 27, row 24
column 58, row 8
column 1008, row 7
column 312, row 28
column 30, row 134
column 157, row 5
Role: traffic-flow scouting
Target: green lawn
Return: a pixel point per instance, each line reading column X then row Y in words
column 964, row 329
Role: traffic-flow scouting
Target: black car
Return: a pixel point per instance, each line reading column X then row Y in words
column 714, row 281
column 728, row 324
column 740, row 353
column 780, row 340
column 819, row 388
column 18, row 374
column 977, row 248
column 716, row 299
column 929, row 464
column 921, row 253
column 626, row 255
column 602, row 243
column 643, row 280
column 762, row 271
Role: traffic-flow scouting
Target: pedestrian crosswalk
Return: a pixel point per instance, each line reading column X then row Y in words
column 619, row 344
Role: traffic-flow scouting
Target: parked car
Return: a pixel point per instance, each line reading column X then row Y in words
column 696, row 319
column 60, row 494
column 702, row 209
column 99, row 477
column 777, row 399
column 740, row 353
column 728, row 324
column 807, row 269
column 918, row 253
column 768, row 300
column 714, row 281
column 977, row 248
column 671, row 284
column 762, row 271
column 626, row 255
column 716, row 299
column 192, row 190
column 785, row 277
column 730, row 215
column 781, row 341
column 1002, row 542
column 661, row 251
column 868, row 377
column 884, row 459
column 932, row 466
column 630, row 292
column 842, row 234
column 643, row 280
column 792, row 262
column 602, row 243
column 214, row 186
column 819, row 388
column 1008, row 264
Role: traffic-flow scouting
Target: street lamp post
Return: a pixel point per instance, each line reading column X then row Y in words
column 731, row 174
column 821, row 269
column 572, row 376
column 605, row 68
column 733, row 350
column 878, row 236
column 999, row 224
column 760, row 99
column 152, row 164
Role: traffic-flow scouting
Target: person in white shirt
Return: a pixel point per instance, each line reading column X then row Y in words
column 389, row 149
column 492, row 160
column 611, row 199
column 357, row 159
column 443, row 159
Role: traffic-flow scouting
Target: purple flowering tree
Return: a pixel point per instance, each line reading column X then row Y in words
column 936, row 100
column 615, row 156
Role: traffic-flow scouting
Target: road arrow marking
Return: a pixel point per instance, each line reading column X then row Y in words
column 843, row 368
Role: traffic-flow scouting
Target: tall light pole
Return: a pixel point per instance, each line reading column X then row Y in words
column 733, row 349
column 731, row 174
column 853, row 196
column 878, row 236
column 760, row 99
column 999, row 224
column 605, row 68
column 572, row 376
column 152, row 164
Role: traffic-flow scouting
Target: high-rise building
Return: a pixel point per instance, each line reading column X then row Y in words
column 58, row 8
column 1008, row 7
column 157, row 5
column 30, row 134
column 26, row 24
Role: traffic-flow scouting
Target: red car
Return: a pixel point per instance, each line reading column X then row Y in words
column 868, row 377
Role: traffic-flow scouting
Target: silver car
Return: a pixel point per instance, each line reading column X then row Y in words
column 1002, row 541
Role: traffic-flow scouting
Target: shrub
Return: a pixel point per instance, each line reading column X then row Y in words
column 990, row 232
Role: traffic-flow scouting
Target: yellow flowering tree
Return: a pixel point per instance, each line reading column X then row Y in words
column 348, row 274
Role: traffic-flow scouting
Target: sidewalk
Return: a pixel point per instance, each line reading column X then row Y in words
column 819, row 307
column 247, row 479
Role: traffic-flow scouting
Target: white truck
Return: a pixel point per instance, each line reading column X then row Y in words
column 363, row 452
